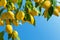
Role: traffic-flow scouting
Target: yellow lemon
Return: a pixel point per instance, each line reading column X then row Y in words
column 3, row 3
column 47, row 4
column 20, row 15
column 1, row 22
column 15, row 22
column 7, row 21
column 58, row 7
column 3, row 16
column 15, row 34
column 36, row 0
column 32, row 20
column 10, row 15
column 9, row 29
column 14, row 1
column 56, row 12
column 34, row 12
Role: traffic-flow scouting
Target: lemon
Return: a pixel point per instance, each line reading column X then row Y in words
column 3, row 16
column 1, row 22
column 9, row 29
column 32, row 20
column 3, row 3
column 47, row 4
column 20, row 15
column 7, row 21
column 14, row 1
column 15, row 34
column 36, row 0
column 10, row 15
column 56, row 12
column 15, row 22
column 58, row 7
column 34, row 12
column 45, row 13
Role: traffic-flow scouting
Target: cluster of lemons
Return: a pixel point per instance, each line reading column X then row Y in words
column 15, row 18
column 47, row 4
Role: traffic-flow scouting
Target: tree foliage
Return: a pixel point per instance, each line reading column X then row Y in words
column 11, row 13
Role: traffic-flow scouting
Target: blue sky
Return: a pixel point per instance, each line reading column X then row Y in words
column 44, row 30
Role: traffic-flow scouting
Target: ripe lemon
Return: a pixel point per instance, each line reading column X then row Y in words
column 32, row 20
column 15, row 34
column 14, row 1
column 20, row 15
column 15, row 22
column 7, row 21
column 3, row 3
column 47, row 4
column 1, row 22
column 9, row 29
column 34, row 12
column 56, row 12
column 58, row 7
column 10, row 15
column 45, row 13
column 36, row 0
column 3, row 16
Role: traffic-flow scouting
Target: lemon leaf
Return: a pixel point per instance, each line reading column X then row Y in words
column 9, row 36
column 19, row 3
column 50, row 12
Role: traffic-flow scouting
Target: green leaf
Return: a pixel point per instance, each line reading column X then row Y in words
column 12, row 38
column 27, row 17
column 36, row 4
column 9, row 36
column 1, row 34
column 53, row 2
column 50, row 12
column 19, row 3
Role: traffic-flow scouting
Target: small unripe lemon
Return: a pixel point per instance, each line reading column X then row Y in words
column 47, row 4
column 56, row 12
column 20, row 15
column 15, row 34
column 9, row 29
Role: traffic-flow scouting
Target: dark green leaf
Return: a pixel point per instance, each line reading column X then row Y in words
column 19, row 3
column 1, row 34
column 9, row 36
